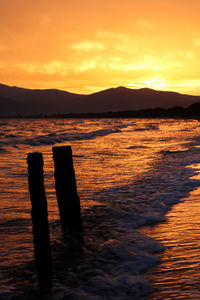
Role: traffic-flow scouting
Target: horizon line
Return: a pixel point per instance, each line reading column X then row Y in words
column 101, row 90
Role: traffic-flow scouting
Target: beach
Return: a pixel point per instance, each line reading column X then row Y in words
column 131, row 175
column 177, row 277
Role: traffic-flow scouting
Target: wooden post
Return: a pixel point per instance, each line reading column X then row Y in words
column 42, row 251
column 67, row 197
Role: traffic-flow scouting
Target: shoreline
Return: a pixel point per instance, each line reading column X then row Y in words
column 177, row 276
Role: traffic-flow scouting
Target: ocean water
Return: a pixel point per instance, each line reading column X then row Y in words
column 130, row 174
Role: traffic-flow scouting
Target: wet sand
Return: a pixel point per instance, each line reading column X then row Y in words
column 178, row 275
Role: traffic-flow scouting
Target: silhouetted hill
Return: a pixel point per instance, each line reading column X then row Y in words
column 20, row 101
column 193, row 111
column 11, row 91
column 121, row 98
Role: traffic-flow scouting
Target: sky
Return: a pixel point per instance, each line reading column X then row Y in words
column 84, row 46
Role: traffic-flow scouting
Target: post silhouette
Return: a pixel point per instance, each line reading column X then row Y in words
column 42, row 251
column 67, row 197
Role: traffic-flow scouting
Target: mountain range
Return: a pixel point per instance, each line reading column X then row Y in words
column 15, row 101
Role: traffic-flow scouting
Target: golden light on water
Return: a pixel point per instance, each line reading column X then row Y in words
column 176, row 276
column 85, row 47
column 129, row 172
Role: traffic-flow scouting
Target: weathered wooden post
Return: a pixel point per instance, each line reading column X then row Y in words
column 42, row 251
column 67, row 197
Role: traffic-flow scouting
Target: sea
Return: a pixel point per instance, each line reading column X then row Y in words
column 138, row 183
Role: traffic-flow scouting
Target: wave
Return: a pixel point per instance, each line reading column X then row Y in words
column 149, row 126
column 137, row 147
column 14, row 140
column 54, row 138
column 2, row 149
column 117, row 253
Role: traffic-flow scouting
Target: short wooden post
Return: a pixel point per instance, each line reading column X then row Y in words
column 42, row 251
column 67, row 197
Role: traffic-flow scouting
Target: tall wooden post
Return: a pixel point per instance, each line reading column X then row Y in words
column 67, row 197
column 40, row 221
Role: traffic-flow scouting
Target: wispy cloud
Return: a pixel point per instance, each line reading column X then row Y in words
column 50, row 68
column 85, row 66
column 88, row 46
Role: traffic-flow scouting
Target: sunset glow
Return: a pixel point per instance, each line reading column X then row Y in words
column 154, row 83
column 87, row 46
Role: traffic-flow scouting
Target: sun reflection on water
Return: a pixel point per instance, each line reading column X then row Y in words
column 101, row 163
column 176, row 277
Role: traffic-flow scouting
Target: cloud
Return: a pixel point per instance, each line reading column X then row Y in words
column 127, row 67
column 101, row 34
column 118, row 63
column 85, row 66
column 88, row 46
column 53, row 67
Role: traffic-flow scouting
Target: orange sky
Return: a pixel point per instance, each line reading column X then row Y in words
column 85, row 45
